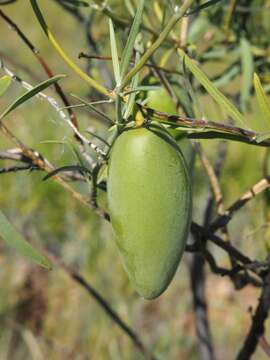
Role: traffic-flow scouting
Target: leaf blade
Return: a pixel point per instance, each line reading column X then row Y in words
column 115, row 57
column 212, row 89
column 127, row 54
column 247, row 65
column 29, row 94
column 262, row 100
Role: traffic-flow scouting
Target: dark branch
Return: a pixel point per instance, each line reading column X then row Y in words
column 105, row 306
column 257, row 327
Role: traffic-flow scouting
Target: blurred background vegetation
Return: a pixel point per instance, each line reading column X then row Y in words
column 45, row 315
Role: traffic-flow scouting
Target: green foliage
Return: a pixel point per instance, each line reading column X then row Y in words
column 29, row 94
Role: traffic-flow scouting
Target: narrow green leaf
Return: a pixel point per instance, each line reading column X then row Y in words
column 212, row 90
column 142, row 88
column 115, row 58
column 247, row 72
column 77, row 2
column 203, row 6
column 29, row 94
column 92, row 106
column 227, row 76
column 10, row 235
column 129, row 7
column 81, row 169
column 128, row 50
column 129, row 106
column 5, row 81
column 92, row 82
column 262, row 100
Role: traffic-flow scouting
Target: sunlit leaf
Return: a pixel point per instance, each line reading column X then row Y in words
column 29, row 94
column 247, row 72
column 203, row 6
column 115, row 58
column 81, row 169
column 77, row 2
column 212, row 90
column 262, row 100
column 128, row 50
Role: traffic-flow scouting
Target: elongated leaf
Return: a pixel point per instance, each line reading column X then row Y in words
column 227, row 76
column 115, row 58
column 129, row 7
column 262, row 100
column 77, row 2
column 92, row 82
column 203, row 6
column 10, row 235
column 81, row 169
column 142, row 88
column 5, row 81
column 129, row 106
column 29, row 94
column 128, row 50
column 247, row 72
column 212, row 90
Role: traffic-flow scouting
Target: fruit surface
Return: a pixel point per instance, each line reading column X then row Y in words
column 160, row 100
column 149, row 198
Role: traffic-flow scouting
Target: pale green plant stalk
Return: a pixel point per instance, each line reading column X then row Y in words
column 92, row 82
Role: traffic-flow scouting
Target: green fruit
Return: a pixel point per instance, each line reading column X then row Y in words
column 149, row 199
column 160, row 100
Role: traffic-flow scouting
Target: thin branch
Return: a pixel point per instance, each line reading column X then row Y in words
column 255, row 190
column 17, row 155
column 197, row 229
column 58, row 109
column 257, row 327
column 206, row 129
column 38, row 160
column 79, row 279
column 132, row 62
column 42, row 62
column 14, row 169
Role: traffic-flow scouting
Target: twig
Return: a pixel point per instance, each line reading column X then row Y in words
column 264, row 345
column 239, row 270
column 197, row 266
column 42, row 62
column 257, row 327
column 197, row 229
column 105, row 306
column 38, row 160
column 13, row 169
column 255, row 190
column 197, row 274
column 58, row 109
column 17, row 155
column 213, row 179
column 86, row 23
column 206, row 129
column 82, row 55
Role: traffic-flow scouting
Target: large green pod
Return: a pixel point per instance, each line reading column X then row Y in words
column 149, row 198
